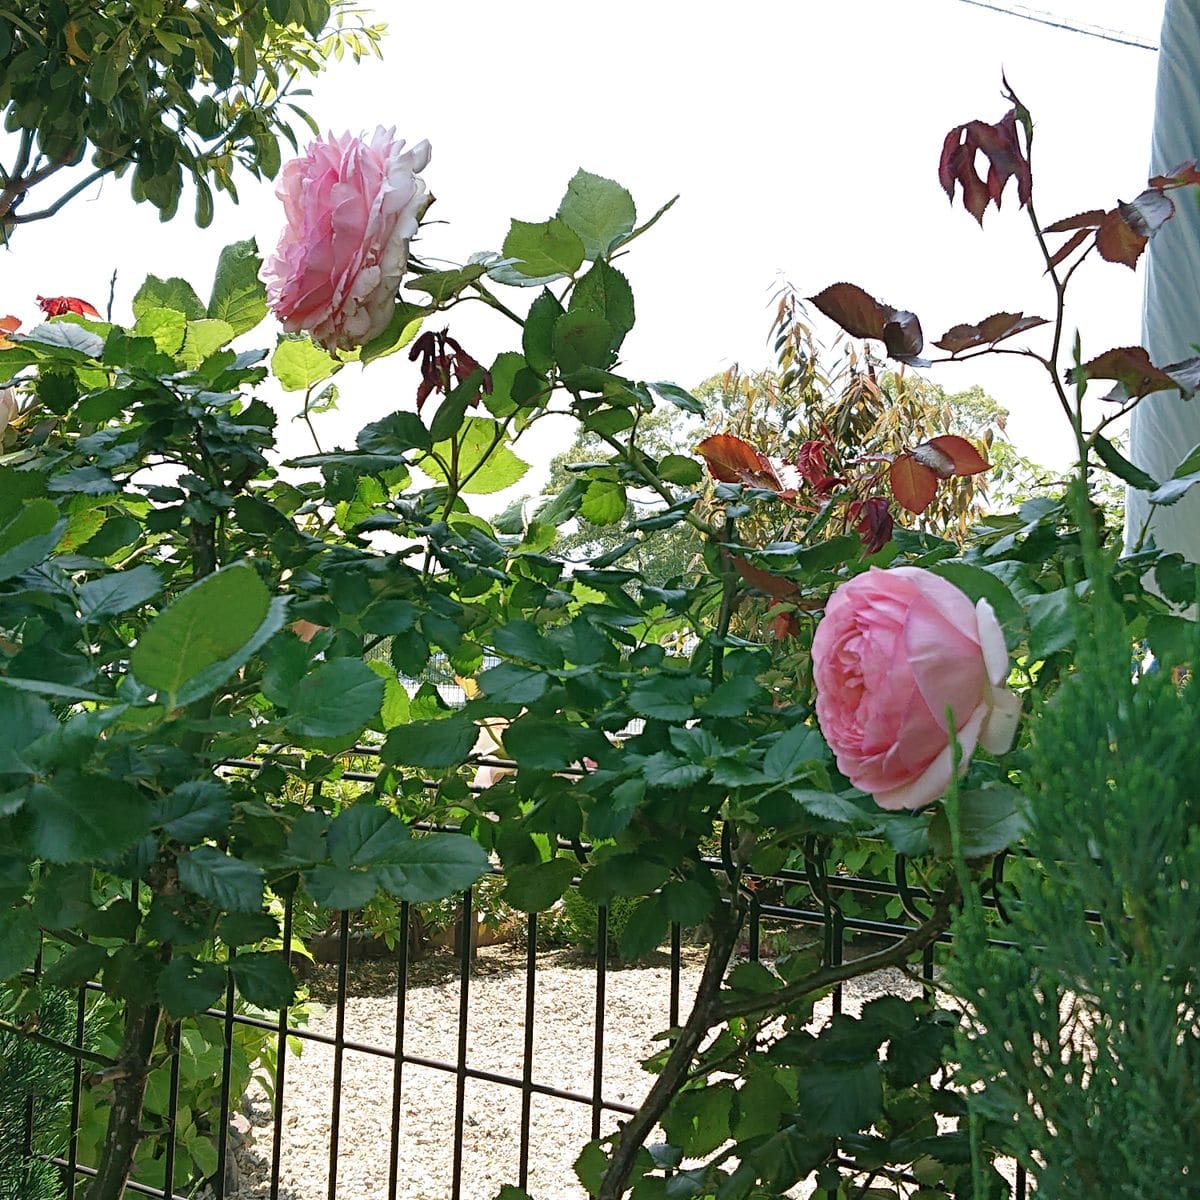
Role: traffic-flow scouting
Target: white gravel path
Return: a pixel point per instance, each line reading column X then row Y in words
column 637, row 1008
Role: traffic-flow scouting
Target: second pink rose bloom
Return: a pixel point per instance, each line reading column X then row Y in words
column 352, row 205
column 893, row 651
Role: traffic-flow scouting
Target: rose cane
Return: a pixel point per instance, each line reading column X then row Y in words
column 893, row 652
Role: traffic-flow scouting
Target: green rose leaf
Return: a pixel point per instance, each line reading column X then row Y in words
column 84, row 818
column 545, row 249
column 238, row 296
column 299, row 363
column 29, row 537
column 206, row 634
column 582, row 339
column 225, row 882
column 537, row 340
column 364, row 834
column 243, row 929
column 337, row 698
column 536, row 887
column 197, row 809
column 603, row 503
column 599, row 210
column 435, row 744
column 792, row 751
column 20, row 940
column 264, row 979
column 432, row 867
column 24, row 718
column 679, row 469
column 522, row 639
column 514, row 684
column 606, row 292
column 174, row 294
column 645, row 929
column 187, row 987
column 341, row 887
column 483, row 460
column 991, row 819
column 113, row 594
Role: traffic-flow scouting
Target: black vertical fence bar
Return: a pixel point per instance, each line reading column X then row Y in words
column 339, row 1051
column 226, row 1081
column 837, row 943
column 527, row 1052
column 281, row 1058
column 927, row 963
column 76, row 1093
column 465, row 941
column 398, row 1048
column 676, row 956
column 172, row 1040
column 31, row 1099
column 1022, row 1183
column 755, row 927
column 598, row 1045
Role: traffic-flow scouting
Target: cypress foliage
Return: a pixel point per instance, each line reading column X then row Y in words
column 1088, row 1036
column 35, row 1094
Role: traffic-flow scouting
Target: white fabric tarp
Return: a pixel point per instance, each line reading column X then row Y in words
column 1164, row 427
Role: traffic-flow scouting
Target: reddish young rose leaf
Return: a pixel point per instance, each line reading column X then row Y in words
column 1186, row 375
column 1084, row 220
column 857, row 312
column 873, row 522
column 1072, row 243
column 813, row 467
column 1182, row 176
column 764, row 581
column 785, row 622
column 57, row 306
column 862, row 316
column 732, row 460
column 1131, row 368
column 1148, row 212
column 988, row 332
column 1118, row 241
column 1001, row 146
column 964, row 458
column 903, row 339
column 913, row 484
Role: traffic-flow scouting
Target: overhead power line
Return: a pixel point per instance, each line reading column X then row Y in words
column 1055, row 22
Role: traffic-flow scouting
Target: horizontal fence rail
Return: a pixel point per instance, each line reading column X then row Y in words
column 771, row 901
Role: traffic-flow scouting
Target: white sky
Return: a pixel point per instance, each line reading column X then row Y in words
column 803, row 138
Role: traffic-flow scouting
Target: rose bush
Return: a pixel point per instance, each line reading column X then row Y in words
column 894, row 651
column 352, row 206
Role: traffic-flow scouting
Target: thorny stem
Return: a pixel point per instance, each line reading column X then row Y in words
column 708, row 1012
column 125, row 1111
column 88, row 1056
column 912, row 943
column 704, row 1015
column 637, row 461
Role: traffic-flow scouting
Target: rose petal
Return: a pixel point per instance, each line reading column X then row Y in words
column 932, row 783
column 991, row 641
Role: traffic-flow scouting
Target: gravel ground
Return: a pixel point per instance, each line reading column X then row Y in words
column 637, row 1008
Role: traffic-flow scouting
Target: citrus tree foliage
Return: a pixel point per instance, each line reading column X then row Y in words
column 174, row 92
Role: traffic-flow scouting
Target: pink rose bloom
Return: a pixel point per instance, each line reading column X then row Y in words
column 894, row 649
column 351, row 208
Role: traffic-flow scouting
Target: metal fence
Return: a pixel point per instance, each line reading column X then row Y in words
column 805, row 897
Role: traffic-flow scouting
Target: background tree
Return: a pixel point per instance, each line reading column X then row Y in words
column 172, row 90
